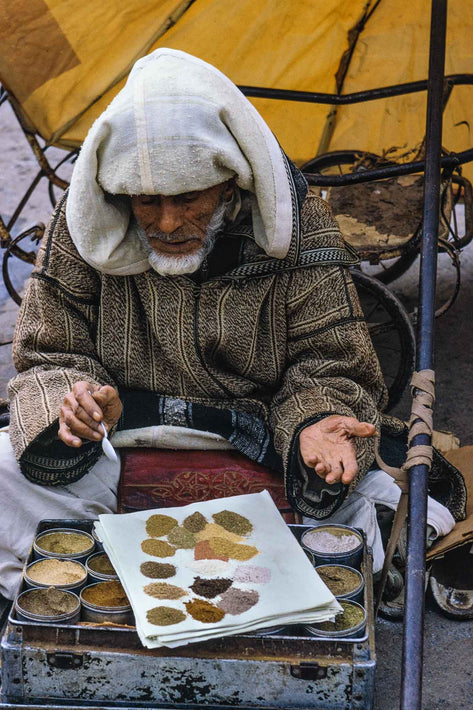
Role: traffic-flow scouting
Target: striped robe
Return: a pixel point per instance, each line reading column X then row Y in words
column 273, row 345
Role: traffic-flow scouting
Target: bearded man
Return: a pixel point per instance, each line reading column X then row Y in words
column 188, row 292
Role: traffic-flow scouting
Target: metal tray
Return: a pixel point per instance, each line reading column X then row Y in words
column 85, row 665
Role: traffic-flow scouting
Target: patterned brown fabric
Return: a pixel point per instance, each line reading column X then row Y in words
column 287, row 344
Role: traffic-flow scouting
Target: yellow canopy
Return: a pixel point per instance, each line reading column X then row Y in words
column 64, row 60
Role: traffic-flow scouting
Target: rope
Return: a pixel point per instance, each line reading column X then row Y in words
column 420, row 422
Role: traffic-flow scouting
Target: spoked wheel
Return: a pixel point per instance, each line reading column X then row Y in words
column 27, row 257
column 391, row 333
column 344, row 162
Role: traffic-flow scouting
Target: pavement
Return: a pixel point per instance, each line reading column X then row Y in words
column 448, row 645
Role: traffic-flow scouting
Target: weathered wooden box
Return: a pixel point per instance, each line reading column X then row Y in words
column 106, row 667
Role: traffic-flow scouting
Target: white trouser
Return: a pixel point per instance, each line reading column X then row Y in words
column 359, row 511
column 24, row 504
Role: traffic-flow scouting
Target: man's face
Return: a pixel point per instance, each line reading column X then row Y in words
column 177, row 226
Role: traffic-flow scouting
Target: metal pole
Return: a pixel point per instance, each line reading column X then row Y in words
column 411, row 692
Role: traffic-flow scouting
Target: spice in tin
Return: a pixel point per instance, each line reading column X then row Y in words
column 352, row 616
column 101, row 564
column 64, row 543
column 56, row 572
column 204, row 611
column 47, row 602
column 106, row 594
column 333, row 541
column 340, row 580
column 164, row 616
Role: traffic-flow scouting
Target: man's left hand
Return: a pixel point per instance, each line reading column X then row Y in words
column 329, row 449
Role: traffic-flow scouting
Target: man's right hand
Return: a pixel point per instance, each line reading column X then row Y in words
column 84, row 408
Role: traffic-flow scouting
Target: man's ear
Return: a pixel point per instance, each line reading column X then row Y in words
column 229, row 189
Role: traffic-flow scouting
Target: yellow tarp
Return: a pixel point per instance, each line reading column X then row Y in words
column 64, row 60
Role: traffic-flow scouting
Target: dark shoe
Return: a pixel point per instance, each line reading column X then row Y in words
column 451, row 583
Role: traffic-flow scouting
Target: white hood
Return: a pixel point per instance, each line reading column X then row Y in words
column 177, row 125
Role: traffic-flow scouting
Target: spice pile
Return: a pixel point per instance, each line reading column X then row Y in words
column 213, row 569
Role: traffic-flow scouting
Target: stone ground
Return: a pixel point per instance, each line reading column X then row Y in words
column 448, row 673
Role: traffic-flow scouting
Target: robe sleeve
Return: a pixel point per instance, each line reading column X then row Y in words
column 331, row 368
column 54, row 347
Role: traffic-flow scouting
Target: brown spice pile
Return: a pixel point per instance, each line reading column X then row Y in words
column 339, row 580
column 203, row 551
column 233, row 522
column 214, row 530
column 158, row 548
column 204, row 611
column 195, row 522
column 159, row 525
column 162, row 590
column 52, row 572
column 232, row 550
column 105, row 594
column 236, row 601
column 181, row 538
column 48, row 602
column 64, row 543
column 101, row 564
column 210, row 588
column 164, row 616
column 157, row 570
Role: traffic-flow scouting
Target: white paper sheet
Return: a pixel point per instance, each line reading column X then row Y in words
column 294, row 594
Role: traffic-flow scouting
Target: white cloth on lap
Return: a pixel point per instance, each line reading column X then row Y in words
column 24, row 504
column 358, row 510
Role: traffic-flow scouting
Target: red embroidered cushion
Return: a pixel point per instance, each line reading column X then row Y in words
column 156, row 478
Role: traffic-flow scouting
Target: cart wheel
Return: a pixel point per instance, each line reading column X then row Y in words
column 391, row 333
column 343, row 162
column 27, row 257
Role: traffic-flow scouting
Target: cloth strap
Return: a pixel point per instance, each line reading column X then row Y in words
column 420, row 422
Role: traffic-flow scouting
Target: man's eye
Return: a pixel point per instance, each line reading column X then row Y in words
column 189, row 196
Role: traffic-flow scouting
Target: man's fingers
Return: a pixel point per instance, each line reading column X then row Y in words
column 362, row 429
column 105, row 395
column 86, row 399
column 336, row 471
column 76, row 426
column 350, row 469
column 67, row 436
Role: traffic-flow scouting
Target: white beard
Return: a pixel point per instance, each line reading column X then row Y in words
column 167, row 265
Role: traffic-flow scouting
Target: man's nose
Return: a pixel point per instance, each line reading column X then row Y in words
column 169, row 215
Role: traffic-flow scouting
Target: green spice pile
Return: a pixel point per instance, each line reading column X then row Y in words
column 164, row 615
column 181, row 538
column 233, row 522
column 159, row 525
column 157, row 570
column 195, row 522
column 158, row 548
